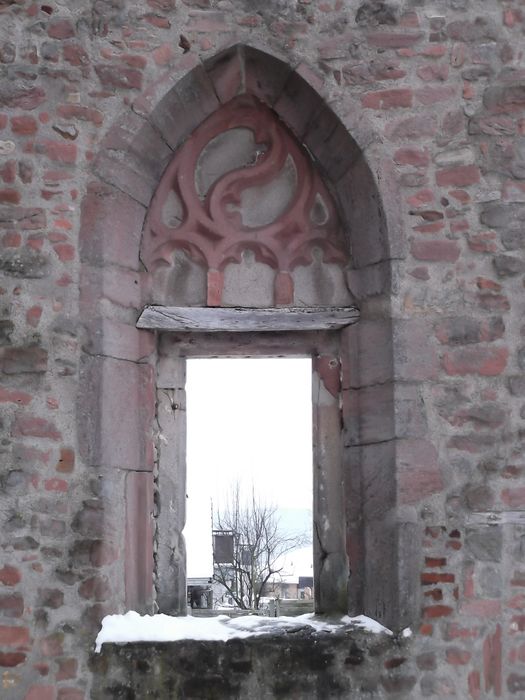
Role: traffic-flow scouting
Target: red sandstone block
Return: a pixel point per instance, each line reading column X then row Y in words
column 458, row 657
column 33, row 426
column 156, row 21
column 21, row 398
column 8, row 172
column 474, row 685
column 430, row 578
column 492, row 653
column 86, row 114
column 40, row 692
column 419, row 471
column 9, row 575
column 485, row 361
column 14, row 636
column 391, row 40
column 434, row 611
column 66, row 460
column 56, row 485
column 65, row 251
column 415, row 127
column 67, row 669
column 387, row 99
column 458, row 176
column 33, row 316
column 432, row 95
column 493, row 302
column 464, row 330
column 24, row 125
column 438, row 71
column 412, row 156
column 9, row 196
column 517, row 602
column 455, row 631
column 459, row 226
column 514, row 498
column 60, row 29
column 435, row 250
column 11, row 659
column 112, row 76
column 434, row 562
column 76, row 55
column 58, row 151
column 12, row 240
column 163, row 54
column 430, row 228
column 421, row 198
column 484, row 242
column 481, row 608
column 133, row 60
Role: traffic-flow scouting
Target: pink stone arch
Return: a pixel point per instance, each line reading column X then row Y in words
column 117, row 406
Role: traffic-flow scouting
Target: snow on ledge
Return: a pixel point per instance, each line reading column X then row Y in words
column 132, row 627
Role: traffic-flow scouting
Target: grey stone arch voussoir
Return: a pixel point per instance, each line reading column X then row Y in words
column 115, row 286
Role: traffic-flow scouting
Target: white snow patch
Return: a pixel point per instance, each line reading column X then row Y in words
column 133, row 627
column 407, row 632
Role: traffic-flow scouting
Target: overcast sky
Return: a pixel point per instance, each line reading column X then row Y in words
column 248, row 420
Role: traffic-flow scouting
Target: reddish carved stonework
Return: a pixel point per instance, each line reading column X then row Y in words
column 241, row 182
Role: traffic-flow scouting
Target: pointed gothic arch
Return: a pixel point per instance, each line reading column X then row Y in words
column 117, row 420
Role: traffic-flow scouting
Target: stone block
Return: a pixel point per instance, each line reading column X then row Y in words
column 298, row 104
column 376, row 466
column 371, row 414
column 110, row 227
column 369, row 281
column 485, row 543
column 133, row 156
column 508, row 265
column 419, row 474
column 331, row 144
column 185, row 107
column 121, row 341
column 415, row 356
column 362, row 215
column 265, row 75
column 116, row 415
column 139, row 541
column 367, row 348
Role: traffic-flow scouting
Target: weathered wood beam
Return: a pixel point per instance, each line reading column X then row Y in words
column 242, row 319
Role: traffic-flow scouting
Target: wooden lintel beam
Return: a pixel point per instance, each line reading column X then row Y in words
column 242, row 319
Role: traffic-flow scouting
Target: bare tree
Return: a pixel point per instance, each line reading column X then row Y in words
column 259, row 544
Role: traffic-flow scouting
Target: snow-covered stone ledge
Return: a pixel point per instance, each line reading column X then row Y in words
column 132, row 627
column 260, row 658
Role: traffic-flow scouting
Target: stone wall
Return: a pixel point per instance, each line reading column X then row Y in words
column 434, row 95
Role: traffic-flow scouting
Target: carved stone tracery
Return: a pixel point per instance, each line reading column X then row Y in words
column 241, row 182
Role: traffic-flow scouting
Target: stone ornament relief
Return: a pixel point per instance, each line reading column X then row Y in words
column 244, row 202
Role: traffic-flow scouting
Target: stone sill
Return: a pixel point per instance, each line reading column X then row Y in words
column 303, row 663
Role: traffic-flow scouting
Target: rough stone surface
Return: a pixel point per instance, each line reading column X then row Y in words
column 302, row 664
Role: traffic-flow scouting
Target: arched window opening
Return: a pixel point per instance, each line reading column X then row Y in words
column 254, row 221
column 242, row 219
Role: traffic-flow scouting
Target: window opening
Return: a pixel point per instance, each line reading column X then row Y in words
column 249, row 484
